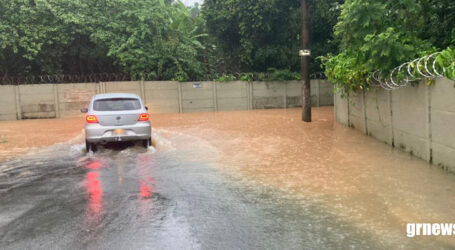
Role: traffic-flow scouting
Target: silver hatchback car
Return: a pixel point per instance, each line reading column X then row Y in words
column 116, row 118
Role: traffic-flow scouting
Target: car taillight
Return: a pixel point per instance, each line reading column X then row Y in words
column 144, row 117
column 91, row 119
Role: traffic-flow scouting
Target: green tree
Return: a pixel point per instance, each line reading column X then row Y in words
column 78, row 37
column 263, row 34
column 380, row 35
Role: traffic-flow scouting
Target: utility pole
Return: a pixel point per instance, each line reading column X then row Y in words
column 305, row 55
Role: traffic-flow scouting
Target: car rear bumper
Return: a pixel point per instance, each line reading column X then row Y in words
column 96, row 133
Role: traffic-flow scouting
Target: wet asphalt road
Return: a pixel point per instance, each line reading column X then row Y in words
column 132, row 198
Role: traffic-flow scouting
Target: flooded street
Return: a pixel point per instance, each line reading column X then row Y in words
column 232, row 180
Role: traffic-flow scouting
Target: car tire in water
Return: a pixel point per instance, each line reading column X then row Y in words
column 147, row 143
column 90, row 147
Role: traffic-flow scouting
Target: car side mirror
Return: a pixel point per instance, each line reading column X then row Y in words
column 146, row 108
column 84, row 110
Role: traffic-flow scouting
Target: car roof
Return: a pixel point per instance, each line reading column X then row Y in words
column 115, row 95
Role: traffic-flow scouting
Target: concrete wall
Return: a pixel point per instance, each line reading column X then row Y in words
column 64, row 100
column 419, row 120
column 197, row 97
column 37, row 101
column 276, row 95
column 325, row 93
column 72, row 97
column 233, row 96
column 269, row 95
column 442, row 123
column 8, row 105
column 162, row 97
column 378, row 120
column 133, row 87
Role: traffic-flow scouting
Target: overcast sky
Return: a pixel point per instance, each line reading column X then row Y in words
column 191, row 2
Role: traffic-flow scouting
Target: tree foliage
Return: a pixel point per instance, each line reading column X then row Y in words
column 168, row 40
column 79, row 37
column 446, row 61
column 254, row 35
column 382, row 34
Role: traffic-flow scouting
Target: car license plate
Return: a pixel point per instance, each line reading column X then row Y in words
column 119, row 131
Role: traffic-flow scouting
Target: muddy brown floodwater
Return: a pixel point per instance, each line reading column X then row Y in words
column 19, row 137
column 363, row 182
column 354, row 177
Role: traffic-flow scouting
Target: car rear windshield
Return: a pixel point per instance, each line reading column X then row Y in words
column 116, row 104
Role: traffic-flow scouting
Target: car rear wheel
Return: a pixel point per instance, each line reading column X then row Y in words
column 147, row 143
column 90, row 147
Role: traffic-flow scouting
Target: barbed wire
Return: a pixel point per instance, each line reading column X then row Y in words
column 318, row 75
column 409, row 73
column 63, row 78
column 99, row 77
column 261, row 76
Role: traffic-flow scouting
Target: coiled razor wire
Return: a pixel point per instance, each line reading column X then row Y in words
column 62, row 78
column 99, row 77
column 409, row 73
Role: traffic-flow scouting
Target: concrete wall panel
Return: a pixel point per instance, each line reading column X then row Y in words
column 443, row 156
column 415, row 145
column 225, row 104
column 443, row 127
column 294, row 88
column 294, row 101
column 325, row 93
column 268, row 102
column 197, row 90
column 326, row 100
column 232, row 95
column 268, row 95
column 73, row 97
column 8, row 103
column 356, row 111
column 442, row 96
column 341, row 109
column 37, row 101
column 161, row 97
column 268, row 89
column 419, row 119
column 314, row 85
column 232, row 89
column 294, row 94
column 63, row 100
column 378, row 115
column 443, row 138
column 198, row 96
column 410, row 110
column 410, row 116
column 123, row 87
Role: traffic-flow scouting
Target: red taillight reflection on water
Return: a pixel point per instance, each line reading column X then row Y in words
column 146, row 189
column 94, row 165
column 95, row 193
